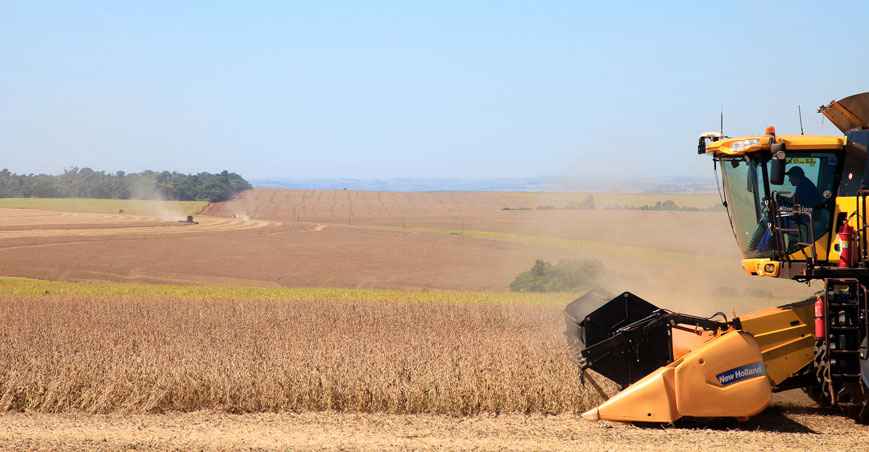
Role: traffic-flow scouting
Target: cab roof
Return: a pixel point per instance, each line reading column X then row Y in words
column 737, row 146
column 849, row 113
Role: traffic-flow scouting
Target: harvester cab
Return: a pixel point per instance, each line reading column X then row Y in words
column 797, row 208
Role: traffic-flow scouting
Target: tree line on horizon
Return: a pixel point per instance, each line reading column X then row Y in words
column 88, row 183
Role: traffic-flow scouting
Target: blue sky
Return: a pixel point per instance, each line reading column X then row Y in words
column 404, row 89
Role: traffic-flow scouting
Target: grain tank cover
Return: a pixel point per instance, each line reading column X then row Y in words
column 849, row 113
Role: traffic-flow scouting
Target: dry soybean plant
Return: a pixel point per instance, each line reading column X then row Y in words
column 134, row 353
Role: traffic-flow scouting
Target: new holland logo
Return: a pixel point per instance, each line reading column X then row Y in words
column 741, row 373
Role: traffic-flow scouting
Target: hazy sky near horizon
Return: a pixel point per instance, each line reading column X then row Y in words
column 405, row 89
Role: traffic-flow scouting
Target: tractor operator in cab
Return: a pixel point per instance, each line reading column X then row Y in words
column 806, row 193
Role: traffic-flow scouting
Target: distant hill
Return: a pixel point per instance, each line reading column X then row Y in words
column 529, row 184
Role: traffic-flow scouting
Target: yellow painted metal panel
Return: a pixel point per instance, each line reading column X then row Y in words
column 730, row 146
column 785, row 336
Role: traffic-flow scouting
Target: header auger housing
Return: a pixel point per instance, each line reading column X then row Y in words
column 798, row 208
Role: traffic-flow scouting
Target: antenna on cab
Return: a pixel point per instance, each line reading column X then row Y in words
column 800, row 113
column 721, row 124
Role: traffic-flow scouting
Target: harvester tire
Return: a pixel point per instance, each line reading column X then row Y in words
column 820, row 392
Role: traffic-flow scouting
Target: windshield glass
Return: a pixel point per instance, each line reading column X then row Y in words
column 809, row 183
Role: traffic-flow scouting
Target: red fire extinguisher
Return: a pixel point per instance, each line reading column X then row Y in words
column 845, row 233
column 820, row 333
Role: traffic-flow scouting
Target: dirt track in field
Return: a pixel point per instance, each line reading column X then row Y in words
column 28, row 223
column 777, row 429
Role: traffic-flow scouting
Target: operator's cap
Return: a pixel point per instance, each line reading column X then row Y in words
column 795, row 171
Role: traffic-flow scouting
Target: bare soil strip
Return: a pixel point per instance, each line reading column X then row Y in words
column 787, row 429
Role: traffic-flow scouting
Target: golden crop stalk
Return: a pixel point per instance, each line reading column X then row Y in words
column 67, row 348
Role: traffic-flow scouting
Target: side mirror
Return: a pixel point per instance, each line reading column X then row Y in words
column 777, row 164
column 701, row 146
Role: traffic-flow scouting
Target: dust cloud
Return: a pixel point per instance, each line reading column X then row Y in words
column 685, row 260
column 155, row 205
column 682, row 258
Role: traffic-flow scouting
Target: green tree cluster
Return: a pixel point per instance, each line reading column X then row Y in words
column 88, row 183
column 564, row 276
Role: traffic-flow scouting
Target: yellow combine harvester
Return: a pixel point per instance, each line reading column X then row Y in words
column 797, row 206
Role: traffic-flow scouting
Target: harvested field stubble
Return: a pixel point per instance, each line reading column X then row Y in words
column 76, row 352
